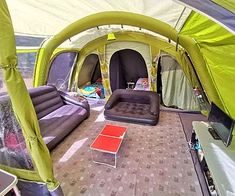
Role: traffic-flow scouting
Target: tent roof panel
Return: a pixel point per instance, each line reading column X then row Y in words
column 228, row 4
column 42, row 17
column 214, row 11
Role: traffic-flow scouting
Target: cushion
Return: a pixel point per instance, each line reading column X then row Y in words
column 45, row 100
column 59, row 123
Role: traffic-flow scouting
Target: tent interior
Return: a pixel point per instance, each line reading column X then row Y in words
column 181, row 51
column 126, row 66
column 90, row 71
column 90, row 80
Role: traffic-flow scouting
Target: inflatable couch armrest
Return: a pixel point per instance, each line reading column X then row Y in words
column 154, row 104
column 67, row 99
column 113, row 100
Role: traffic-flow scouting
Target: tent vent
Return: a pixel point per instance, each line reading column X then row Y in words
column 111, row 37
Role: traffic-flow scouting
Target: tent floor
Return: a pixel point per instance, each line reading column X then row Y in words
column 153, row 160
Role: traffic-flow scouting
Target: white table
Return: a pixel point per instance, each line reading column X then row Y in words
column 219, row 158
column 7, row 182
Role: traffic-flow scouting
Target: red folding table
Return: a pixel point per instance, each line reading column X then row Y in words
column 109, row 141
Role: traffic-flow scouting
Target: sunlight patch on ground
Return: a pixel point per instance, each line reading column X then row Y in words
column 98, row 108
column 70, row 152
column 48, row 139
column 100, row 118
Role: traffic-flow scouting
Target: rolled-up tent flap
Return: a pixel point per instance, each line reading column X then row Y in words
column 21, row 102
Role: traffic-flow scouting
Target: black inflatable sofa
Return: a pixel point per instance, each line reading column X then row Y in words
column 133, row 106
column 58, row 113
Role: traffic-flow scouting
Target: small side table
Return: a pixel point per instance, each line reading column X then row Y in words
column 7, row 182
column 109, row 141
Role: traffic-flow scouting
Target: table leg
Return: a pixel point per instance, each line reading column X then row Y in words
column 16, row 190
column 115, row 160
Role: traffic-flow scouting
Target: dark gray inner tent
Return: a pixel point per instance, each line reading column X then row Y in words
column 125, row 66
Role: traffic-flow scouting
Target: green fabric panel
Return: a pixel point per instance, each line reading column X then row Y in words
column 77, row 70
column 187, row 67
column 217, row 46
column 197, row 58
column 104, row 72
column 22, row 173
column 204, row 30
column 7, row 41
column 228, row 4
column 154, row 54
column 21, row 102
column 221, row 63
column 201, row 69
column 26, row 50
column 37, row 68
column 95, row 20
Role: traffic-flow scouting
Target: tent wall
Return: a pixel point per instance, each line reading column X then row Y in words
column 217, row 46
column 126, row 66
column 90, row 70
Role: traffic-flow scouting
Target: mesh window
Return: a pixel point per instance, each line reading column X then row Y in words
column 60, row 70
column 25, row 66
column 28, row 40
column 13, row 151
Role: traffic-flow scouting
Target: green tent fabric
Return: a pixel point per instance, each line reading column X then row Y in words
column 21, row 101
column 217, row 46
column 228, row 4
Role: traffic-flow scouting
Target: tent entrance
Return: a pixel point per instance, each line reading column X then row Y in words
column 126, row 66
column 90, row 79
column 90, row 70
column 174, row 86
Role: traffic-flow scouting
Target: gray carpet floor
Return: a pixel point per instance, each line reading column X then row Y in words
column 153, row 160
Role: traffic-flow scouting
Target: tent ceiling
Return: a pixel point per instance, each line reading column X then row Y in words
column 81, row 39
column 43, row 17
